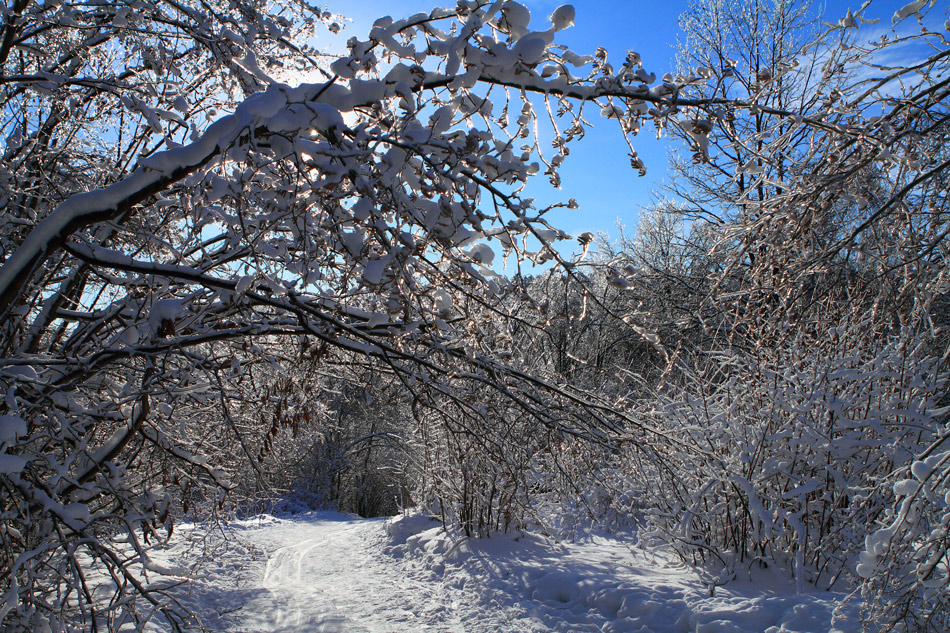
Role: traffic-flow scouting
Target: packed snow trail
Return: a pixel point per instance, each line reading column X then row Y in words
column 321, row 573
column 332, row 575
column 329, row 573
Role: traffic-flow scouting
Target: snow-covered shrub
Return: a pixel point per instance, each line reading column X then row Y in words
column 787, row 456
column 584, row 489
column 905, row 562
column 796, row 419
column 476, row 461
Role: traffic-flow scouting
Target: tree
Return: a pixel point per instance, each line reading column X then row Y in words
column 758, row 50
column 819, row 439
column 176, row 212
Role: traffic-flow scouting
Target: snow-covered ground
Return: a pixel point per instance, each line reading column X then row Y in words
column 327, row 572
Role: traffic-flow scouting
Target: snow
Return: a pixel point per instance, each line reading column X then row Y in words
column 266, row 104
column 911, row 8
column 517, row 17
column 921, row 470
column 11, row 464
column 530, row 49
column 482, row 253
column 373, row 271
column 442, row 300
column 165, row 310
column 11, row 427
column 563, row 17
column 19, row 372
column 326, row 571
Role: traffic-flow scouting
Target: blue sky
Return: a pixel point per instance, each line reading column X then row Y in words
column 597, row 173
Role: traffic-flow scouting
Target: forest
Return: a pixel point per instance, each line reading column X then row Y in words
column 225, row 291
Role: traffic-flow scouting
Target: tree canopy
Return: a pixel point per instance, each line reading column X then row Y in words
column 183, row 225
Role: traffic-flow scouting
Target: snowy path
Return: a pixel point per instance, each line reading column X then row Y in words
column 325, row 572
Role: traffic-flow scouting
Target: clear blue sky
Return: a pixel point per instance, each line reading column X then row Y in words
column 597, row 173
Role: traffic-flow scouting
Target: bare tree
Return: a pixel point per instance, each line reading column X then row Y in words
column 759, row 50
column 175, row 212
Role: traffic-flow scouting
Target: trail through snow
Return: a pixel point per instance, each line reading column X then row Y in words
column 325, row 572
